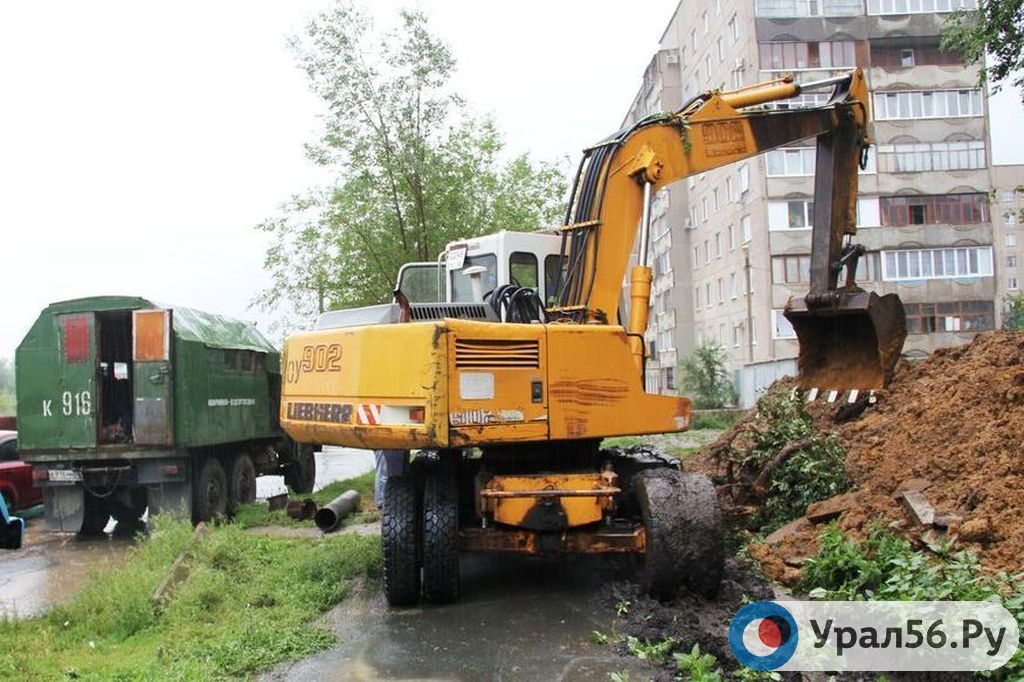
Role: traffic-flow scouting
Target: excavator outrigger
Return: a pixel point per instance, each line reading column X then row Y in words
column 493, row 411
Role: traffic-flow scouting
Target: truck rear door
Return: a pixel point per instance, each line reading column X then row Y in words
column 151, row 354
column 73, row 405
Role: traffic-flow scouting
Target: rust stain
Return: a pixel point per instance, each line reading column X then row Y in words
column 576, row 426
column 588, row 392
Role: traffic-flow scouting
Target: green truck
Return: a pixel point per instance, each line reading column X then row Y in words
column 125, row 405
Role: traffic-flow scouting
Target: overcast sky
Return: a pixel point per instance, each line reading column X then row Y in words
column 140, row 143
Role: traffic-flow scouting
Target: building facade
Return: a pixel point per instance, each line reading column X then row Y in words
column 731, row 246
column 1008, row 216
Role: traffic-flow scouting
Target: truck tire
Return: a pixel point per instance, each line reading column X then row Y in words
column 399, row 537
column 209, row 491
column 441, row 534
column 300, row 475
column 97, row 513
column 241, row 482
column 684, row 532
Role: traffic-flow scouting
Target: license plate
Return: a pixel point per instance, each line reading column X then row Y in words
column 65, row 475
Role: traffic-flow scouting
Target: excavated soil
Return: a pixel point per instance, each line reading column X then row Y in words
column 950, row 426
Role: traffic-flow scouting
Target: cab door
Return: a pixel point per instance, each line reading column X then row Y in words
column 152, row 381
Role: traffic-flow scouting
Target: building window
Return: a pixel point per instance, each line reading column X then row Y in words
column 791, row 269
column 696, row 257
column 958, row 316
column 1007, row 194
column 791, row 161
column 705, row 23
column 808, row 8
column 918, row 6
column 693, row 40
column 1012, row 283
column 745, row 234
column 707, row 251
column 916, row 104
column 888, row 53
column 718, row 244
column 790, row 215
column 743, row 178
column 788, row 56
column 1010, row 218
column 949, row 263
column 721, row 50
column 696, row 299
column 732, row 285
column 721, row 291
column 941, row 209
column 693, row 216
column 704, row 208
column 707, row 66
column 734, row 29
column 1011, row 261
column 732, row 238
column 670, row 378
column 714, row 200
column 781, row 328
column 707, row 295
column 931, row 156
column 728, row 189
column 1011, row 240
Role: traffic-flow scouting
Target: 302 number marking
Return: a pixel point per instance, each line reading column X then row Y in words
column 320, row 357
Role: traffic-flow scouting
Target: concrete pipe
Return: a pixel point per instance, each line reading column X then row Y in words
column 330, row 515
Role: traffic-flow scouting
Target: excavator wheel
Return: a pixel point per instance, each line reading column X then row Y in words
column 441, row 533
column 400, row 539
column 684, row 532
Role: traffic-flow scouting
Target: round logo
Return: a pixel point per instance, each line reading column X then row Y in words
column 763, row 635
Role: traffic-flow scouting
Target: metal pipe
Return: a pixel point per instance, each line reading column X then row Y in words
column 645, row 225
column 330, row 515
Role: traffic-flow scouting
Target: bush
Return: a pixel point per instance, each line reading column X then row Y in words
column 706, row 377
column 815, row 472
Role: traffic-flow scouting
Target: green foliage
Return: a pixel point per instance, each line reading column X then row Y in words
column 7, row 402
column 698, row 666
column 656, row 653
column 815, row 472
column 991, row 36
column 246, row 604
column 885, row 567
column 413, row 169
column 706, row 377
column 716, row 421
column 1013, row 313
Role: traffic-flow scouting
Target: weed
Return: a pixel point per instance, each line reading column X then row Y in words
column 622, row 676
column 622, row 607
column 623, row 442
column 699, row 667
column 716, row 421
column 656, row 653
column 598, row 637
column 245, row 605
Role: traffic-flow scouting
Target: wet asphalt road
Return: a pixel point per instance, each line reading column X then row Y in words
column 51, row 567
column 519, row 619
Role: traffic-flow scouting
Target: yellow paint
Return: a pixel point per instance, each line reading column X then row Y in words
column 579, row 510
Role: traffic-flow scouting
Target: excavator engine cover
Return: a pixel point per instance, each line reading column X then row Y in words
column 852, row 344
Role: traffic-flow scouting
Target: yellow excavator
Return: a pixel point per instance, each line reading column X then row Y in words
column 492, row 379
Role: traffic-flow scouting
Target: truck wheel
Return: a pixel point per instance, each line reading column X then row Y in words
column 241, row 482
column 441, row 534
column 399, row 537
column 210, row 491
column 300, row 475
column 684, row 532
column 97, row 513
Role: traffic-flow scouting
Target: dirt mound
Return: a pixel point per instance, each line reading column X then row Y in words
column 950, row 427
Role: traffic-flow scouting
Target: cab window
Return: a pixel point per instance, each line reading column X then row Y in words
column 552, row 273
column 462, row 288
column 522, row 267
column 419, row 283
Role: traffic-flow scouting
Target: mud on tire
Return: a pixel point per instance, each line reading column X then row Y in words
column 300, row 475
column 399, row 537
column 210, row 490
column 241, row 482
column 441, row 533
column 684, row 532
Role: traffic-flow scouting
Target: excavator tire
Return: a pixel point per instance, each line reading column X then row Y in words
column 684, row 533
column 399, row 538
column 441, row 534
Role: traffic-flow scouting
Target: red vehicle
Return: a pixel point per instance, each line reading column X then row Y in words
column 16, row 484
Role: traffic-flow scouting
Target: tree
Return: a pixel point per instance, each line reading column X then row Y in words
column 995, row 29
column 413, row 170
column 1013, row 313
column 6, row 387
column 706, row 377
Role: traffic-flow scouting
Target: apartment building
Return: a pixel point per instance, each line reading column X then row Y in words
column 732, row 245
column 1008, row 215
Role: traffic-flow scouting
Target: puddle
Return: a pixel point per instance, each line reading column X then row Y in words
column 519, row 619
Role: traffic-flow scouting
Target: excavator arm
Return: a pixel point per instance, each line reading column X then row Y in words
column 611, row 203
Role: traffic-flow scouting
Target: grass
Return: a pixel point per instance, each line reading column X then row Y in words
column 252, row 515
column 246, row 604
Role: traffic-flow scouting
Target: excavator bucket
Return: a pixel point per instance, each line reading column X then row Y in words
column 852, row 344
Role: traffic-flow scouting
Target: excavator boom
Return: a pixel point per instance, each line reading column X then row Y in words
column 849, row 339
